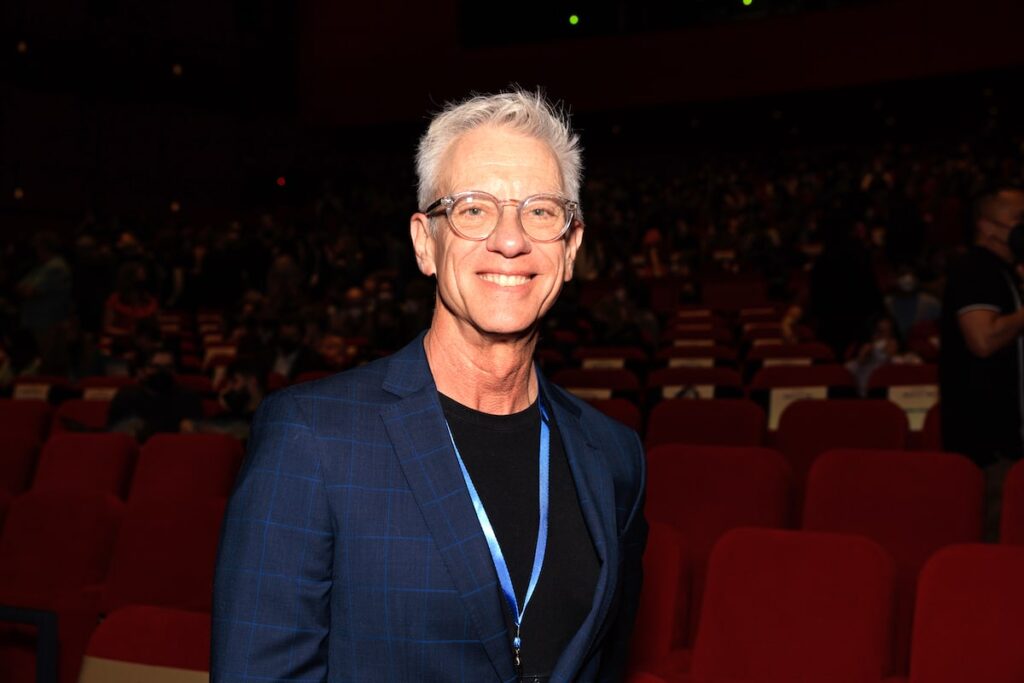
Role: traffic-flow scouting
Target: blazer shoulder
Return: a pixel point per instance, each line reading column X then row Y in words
column 362, row 383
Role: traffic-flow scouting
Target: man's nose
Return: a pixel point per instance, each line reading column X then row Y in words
column 508, row 238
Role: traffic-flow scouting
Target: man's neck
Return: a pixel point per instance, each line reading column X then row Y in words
column 492, row 376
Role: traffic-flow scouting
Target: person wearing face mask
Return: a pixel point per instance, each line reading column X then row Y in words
column 982, row 347
column 157, row 403
column 242, row 393
column 908, row 304
column 292, row 356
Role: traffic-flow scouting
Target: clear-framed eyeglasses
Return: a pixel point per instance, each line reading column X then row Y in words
column 475, row 214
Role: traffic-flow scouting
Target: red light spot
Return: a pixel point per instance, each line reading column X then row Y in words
column 281, row 182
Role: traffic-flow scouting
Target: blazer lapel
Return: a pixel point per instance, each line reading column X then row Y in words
column 596, row 492
column 418, row 432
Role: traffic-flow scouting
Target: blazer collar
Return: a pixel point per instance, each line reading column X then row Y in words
column 596, row 492
column 417, row 429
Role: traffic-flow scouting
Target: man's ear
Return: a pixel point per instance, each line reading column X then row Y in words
column 572, row 245
column 423, row 243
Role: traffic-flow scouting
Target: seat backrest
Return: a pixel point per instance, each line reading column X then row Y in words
column 54, row 543
column 620, row 409
column 1011, row 528
column 149, row 643
column 808, row 428
column 912, row 503
column 968, row 625
column 597, row 383
column 183, row 466
column 778, row 387
column 663, row 598
column 165, row 554
column 79, row 414
column 17, row 462
column 28, row 420
column 704, row 491
column 795, row 606
column 894, row 374
column 721, row 422
column 705, row 383
column 86, row 462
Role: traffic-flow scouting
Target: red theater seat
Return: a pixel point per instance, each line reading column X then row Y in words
column 719, row 422
column 17, row 462
column 777, row 387
column 911, row 503
column 1012, row 524
column 809, row 428
column 968, row 624
column 86, row 462
column 620, row 409
column 784, row 606
column 80, row 415
column 186, row 466
column 27, row 420
column 145, row 643
column 704, row 491
column 597, row 383
column 103, row 388
column 767, row 355
column 164, row 555
column 662, row 600
column 703, row 383
column 54, row 545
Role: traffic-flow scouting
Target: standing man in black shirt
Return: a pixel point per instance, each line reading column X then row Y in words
column 982, row 351
column 446, row 514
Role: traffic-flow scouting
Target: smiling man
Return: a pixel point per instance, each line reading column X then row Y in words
column 446, row 514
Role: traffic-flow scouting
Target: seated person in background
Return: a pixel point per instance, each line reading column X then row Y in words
column 334, row 352
column 908, row 304
column 157, row 403
column 244, row 389
column 883, row 347
column 291, row 356
column 130, row 302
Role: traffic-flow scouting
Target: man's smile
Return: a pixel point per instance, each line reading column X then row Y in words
column 505, row 280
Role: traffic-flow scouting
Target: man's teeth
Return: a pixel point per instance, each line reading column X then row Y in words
column 505, row 280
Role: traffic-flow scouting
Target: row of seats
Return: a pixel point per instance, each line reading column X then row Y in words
column 168, row 466
column 84, row 554
column 806, row 428
column 911, row 503
column 784, row 606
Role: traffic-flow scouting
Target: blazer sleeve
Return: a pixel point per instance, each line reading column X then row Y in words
column 632, row 543
column 271, row 602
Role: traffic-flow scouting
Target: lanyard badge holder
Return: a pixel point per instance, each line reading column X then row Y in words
column 497, row 557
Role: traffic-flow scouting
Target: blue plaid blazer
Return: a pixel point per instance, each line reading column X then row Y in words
column 351, row 552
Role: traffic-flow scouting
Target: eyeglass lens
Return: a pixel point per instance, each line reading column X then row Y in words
column 543, row 218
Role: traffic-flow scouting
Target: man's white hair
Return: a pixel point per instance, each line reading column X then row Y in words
column 527, row 113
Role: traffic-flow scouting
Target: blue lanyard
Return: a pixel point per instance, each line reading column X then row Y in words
column 497, row 557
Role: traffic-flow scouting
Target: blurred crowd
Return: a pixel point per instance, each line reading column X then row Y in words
column 853, row 240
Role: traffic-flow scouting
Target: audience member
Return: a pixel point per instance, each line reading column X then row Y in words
column 908, row 304
column 157, row 403
column 983, row 346
column 130, row 302
column 244, row 388
column 46, row 300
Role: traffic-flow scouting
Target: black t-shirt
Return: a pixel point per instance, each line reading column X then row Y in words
column 501, row 456
column 982, row 398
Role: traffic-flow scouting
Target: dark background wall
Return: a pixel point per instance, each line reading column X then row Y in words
column 126, row 107
column 391, row 60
